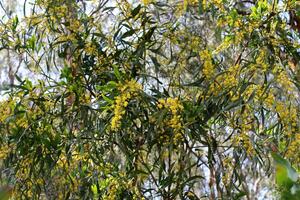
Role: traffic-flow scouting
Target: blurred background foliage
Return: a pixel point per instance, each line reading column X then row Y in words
column 177, row 99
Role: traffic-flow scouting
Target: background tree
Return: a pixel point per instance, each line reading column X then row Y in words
column 150, row 99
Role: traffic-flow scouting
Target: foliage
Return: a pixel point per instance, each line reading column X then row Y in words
column 150, row 99
column 286, row 177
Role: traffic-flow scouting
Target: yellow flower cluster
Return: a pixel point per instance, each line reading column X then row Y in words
column 4, row 151
column 146, row 2
column 173, row 105
column 189, row 2
column 67, row 37
column 288, row 116
column 224, row 45
column 217, row 3
column 23, row 171
column 285, row 81
column 208, row 68
column 114, row 184
column 244, row 140
column 127, row 90
column 68, row 164
column 226, row 81
column 261, row 95
column 5, row 110
column 293, row 152
column 261, row 62
column 75, row 25
column 121, row 103
column 91, row 49
column 34, row 20
column 243, row 135
column 228, row 163
column 57, row 12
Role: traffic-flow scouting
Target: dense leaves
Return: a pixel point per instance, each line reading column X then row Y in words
column 286, row 178
column 150, row 99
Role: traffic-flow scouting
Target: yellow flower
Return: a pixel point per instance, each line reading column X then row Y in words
column 146, row 2
column 175, row 107
column 208, row 68
column 129, row 89
column 91, row 49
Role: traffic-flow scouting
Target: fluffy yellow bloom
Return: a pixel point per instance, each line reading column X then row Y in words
column 208, row 68
column 173, row 105
column 91, row 49
column 129, row 89
column 261, row 61
column 189, row 2
column 5, row 150
column 146, row 2
column 293, row 151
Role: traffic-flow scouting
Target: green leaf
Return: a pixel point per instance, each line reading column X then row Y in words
column 240, row 195
column 94, row 189
column 31, row 42
column 149, row 33
column 286, row 175
column 155, row 62
column 136, row 10
column 28, row 85
column 200, row 7
column 234, row 104
column 15, row 23
column 110, row 101
column 128, row 33
column 4, row 194
column 117, row 73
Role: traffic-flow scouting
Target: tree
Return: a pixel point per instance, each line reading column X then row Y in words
column 150, row 99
